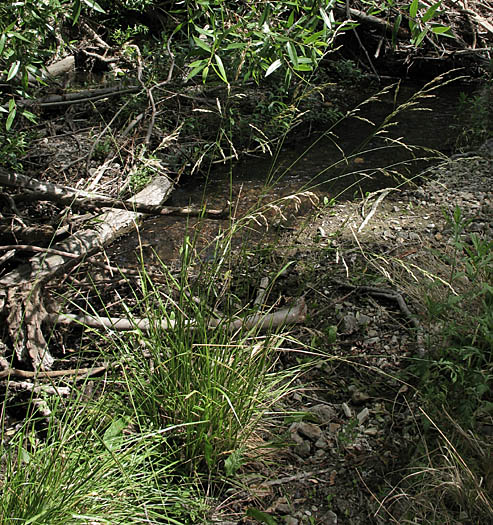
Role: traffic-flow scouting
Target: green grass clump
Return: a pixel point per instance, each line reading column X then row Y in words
column 81, row 464
column 193, row 372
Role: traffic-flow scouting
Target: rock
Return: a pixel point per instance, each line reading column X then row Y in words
column 303, row 449
column 350, row 323
column 324, row 413
column 308, row 430
column 289, row 520
column 334, row 428
column 330, row 518
column 363, row 416
column 347, row 411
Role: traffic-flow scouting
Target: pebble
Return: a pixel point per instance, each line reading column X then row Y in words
column 363, row 415
column 347, row 411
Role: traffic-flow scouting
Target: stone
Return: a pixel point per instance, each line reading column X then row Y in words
column 308, row 430
column 363, row 416
column 324, row 413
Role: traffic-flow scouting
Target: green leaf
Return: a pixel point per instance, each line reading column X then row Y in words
column 30, row 116
column 328, row 20
column 205, row 72
column 14, row 34
column 200, row 43
column 260, row 516
column 94, row 5
column 442, row 30
column 76, row 11
column 222, row 72
column 413, row 8
column 292, row 54
column 431, row 11
column 12, row 112
column 3, row 39
column 13, row 70
column 197, row 67
column 420, row 37
column 395, row 29
column 275, row 65
column 265, row 14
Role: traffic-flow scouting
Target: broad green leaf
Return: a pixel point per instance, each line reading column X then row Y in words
column 94, row 5
column 313, row 38
column 200, row 43
column 290, row 20
column 205, row 32
column 113, row 437
column 236, row 45
column 222, row 71
column 431, row 11
column 292, row 53
column 420, row 37
column 265, row 15
column 13, row 70
column 304, row 67
column 442, row 30
column 15, row 34
column 413, row 8
column 275, row 65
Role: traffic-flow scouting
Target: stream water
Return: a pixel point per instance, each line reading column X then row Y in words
column 342, row 164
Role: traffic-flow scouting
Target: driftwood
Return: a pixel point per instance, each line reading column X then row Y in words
column 261, row 321
column 39, row 190
column 21, row 291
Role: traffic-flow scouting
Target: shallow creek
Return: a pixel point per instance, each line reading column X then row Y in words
column 343, row 164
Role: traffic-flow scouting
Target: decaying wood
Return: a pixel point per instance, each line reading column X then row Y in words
column 94, row 201
column 21, row 290
column 293, row 314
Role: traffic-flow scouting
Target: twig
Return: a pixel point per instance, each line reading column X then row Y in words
column 383, row 194
column 387, row 294
column 39, row 249
column 26, row 374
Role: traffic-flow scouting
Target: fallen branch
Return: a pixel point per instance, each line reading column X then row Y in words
column 80, row 373
column 79, row 97
column 92, row 201
column 387, row 294
column 288, row 315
